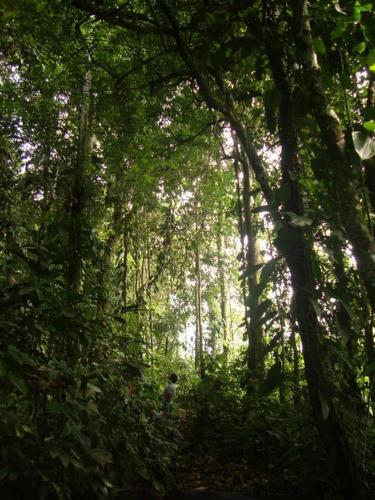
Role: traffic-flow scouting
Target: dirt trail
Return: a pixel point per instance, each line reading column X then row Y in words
column 210, row 464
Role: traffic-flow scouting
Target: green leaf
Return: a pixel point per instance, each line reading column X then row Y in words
column 64, row 459
column 369, row 113
column 324, row 405
column 19, row 356
column 273, row 343
column 339, row 9
column 335, row 295
column 363, row 145
column 76, row 463
column 340, row 29
column 316, row 306
column 3, row 473
column 362, row 7
column 360, row 48
column 369, row 126
column 371, row 60
column 255, row 192
column 26, row 290
column 369, row 369
column 253, row 269
column 286, row 238
column 101, row 456
column 299, row 220
column 282, row 194
column 59, row 492
column 54, row 452
column 260, row 310
column 319, row 46
column 18, row 383
column 92, row 389
column 270, row 315
column 239, row 29
column 3, row 369
column 267, row 272
column 273, row 379
column 144, row 474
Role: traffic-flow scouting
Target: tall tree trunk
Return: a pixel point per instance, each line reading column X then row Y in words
column 77, row 195
column 48, row 173
column 149, row 294
column 125, row 276
column 344, row 187
column 7, row 235
column 222, row 284
column 198, row 314
column 298, row 256
column 241, row 229
column 255, row 350
column 296, row 355
column 370, row 164
column 104, row 278
column 199, row 361
column 370, row 353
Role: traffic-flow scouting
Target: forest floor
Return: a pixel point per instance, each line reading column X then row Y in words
column 212, row 461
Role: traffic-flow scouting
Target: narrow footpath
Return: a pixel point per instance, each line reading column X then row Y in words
column 212, row 466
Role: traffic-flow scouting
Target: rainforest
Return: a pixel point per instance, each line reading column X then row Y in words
column 187, row 249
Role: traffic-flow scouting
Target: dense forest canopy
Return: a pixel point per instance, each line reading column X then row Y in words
column 188, row 187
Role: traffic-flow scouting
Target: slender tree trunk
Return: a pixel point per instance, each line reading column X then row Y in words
column 370, row 164
column 296, row 355
column 149, row 294
column 199, row 361
column 222, row 285
column 255, row 350
column 77, row 206
column 48, row 171
column 198, row 312
column 243, row 251
column 7, row 228
column 136, row 261
column 125, row 276
column 77, row 195
column 370, row 352
column 282, row 395
column 104, row 278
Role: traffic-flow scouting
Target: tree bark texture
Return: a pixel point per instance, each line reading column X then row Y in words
column 77, row 194
column 299, row 260
column 241, row 230
column 255, row 350
column 7, row 229
column 199, row 361
column 222, row 285
column 344, row 187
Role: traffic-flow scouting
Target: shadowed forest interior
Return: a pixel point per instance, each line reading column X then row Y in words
column 187, row 249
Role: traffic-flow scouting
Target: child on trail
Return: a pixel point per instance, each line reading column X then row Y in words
column 170, row 393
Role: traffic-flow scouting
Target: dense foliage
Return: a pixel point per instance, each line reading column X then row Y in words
column 186, row 186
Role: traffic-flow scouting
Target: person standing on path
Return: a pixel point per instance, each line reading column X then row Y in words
column 169, row 393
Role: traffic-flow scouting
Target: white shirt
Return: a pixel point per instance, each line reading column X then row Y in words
column 169, row 392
